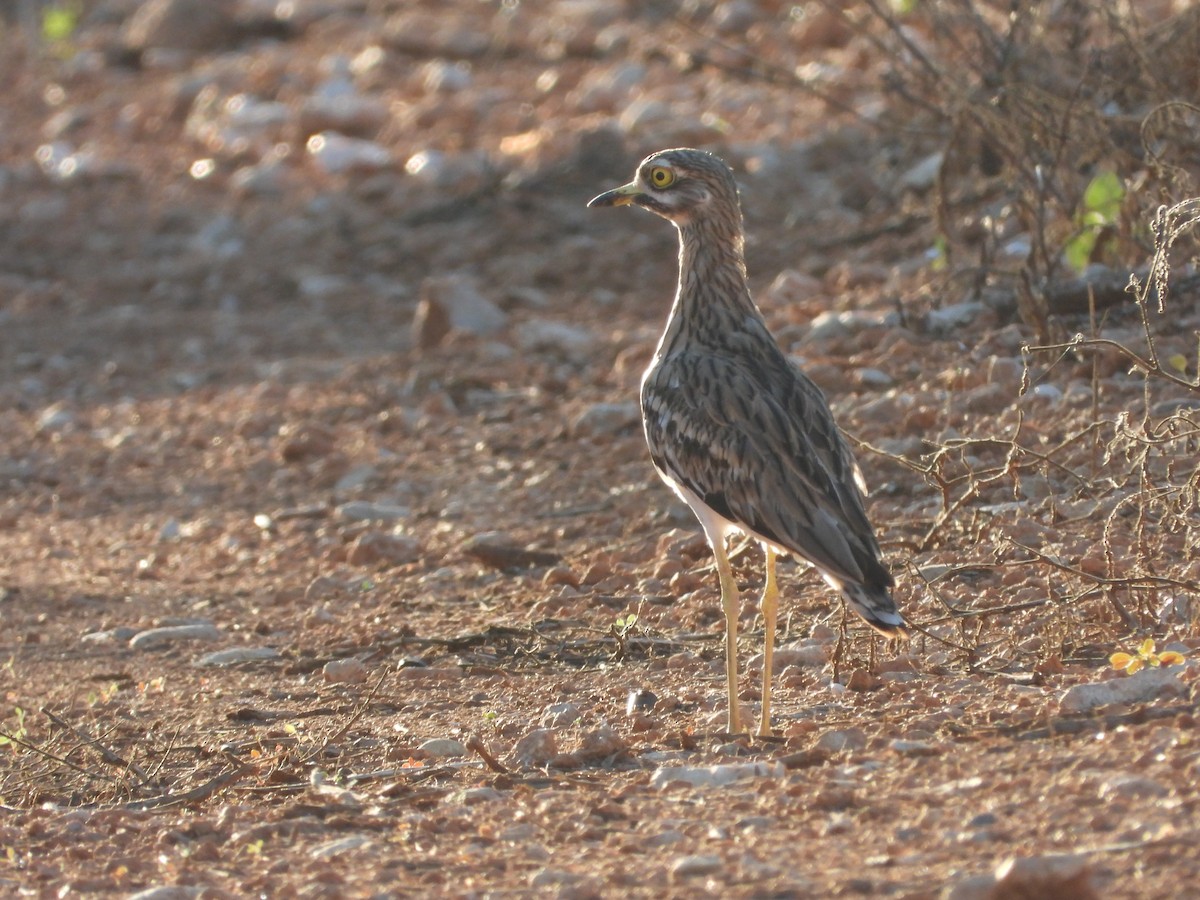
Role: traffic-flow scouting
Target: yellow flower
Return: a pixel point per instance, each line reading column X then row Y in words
column 1129, row 663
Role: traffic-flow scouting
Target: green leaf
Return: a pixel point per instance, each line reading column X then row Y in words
column 59, row 22
column 1078, row 251
column 1102, row 199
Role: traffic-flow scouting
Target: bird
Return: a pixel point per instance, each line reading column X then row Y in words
column 736, row 429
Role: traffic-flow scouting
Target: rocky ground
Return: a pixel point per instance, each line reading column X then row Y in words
column 334, row 564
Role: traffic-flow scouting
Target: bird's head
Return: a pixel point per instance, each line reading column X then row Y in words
column 681, row 185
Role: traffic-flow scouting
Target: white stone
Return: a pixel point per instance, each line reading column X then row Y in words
column 236, row 655
column 443, row 747
column 336, row 154
column 606, row 419
column 706, row 776
column 842, row 739
column 157, row 637
column 1137, row 688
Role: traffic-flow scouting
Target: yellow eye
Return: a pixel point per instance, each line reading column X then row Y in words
column 661, row 177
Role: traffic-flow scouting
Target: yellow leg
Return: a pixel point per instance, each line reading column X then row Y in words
column 770, row 606
column 729, row 604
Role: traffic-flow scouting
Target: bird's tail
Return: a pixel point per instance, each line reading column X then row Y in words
column 877, row 608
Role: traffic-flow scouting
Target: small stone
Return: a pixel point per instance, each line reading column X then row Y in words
column 791, row 288
column 533, row 750
column 476, row 795
column 340, row 846
column 466, row 307
column 597, row 744
column 323, row 587
column 606, row 419
column 350, row 670
column 873, row 378
column 554, row 878
column 915, row 748
column 1062, row 876
column 443, row 747
column 367, row 511
column 808, row 653
column 842, row 739
column 500, row 551
column 236, row 655
column 439, row 75
column 120, row 633
column 640, row 700
column 861, row 680
column 430, row 324
column 357, row 478
column 1140, row 687
column 691, row 866
column 170, row 892
column 704, row 776
column 304, row 442
column 337, row 154
column 560, row 715
column 1130, row 786
column 191, row 25
column 557, row 337
column 55, row 418
column 153, row 638
column 374, row 547
column 950, row 318
column 922, row 176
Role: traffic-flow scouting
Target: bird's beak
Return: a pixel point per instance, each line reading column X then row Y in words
column 622, row 196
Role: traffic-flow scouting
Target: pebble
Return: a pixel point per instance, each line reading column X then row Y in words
column 374, row 547
column 192, row 25
column 555, row 878
column 645, row 114
column 691, row 866
column 535, row 749
column 641, row 700
column 236, row 655
column 1140, row 687
column 54, row 418
column 170, row 892
column 950, row 318
column 443, row 747
column 501, row 551
column 560, row 715
column 874, row 378
column 665, row 838
column 152, row 638
column 808, row 653
column 120, row 633
column 831, row 325
column 368, row 511
column 842, row 739
column 454, row 174
column 335, row 153
column 1130, row 786
column 350, row 670
column 558, row 337
column 605, row 419
column 791, row 288
column 336, row 105
column 1063, row 876
column 439, row 75
column 705, row 776
column 465, row 306
column 476, row 795
column 915, row 748
column 922, row 175
column 340, row 846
